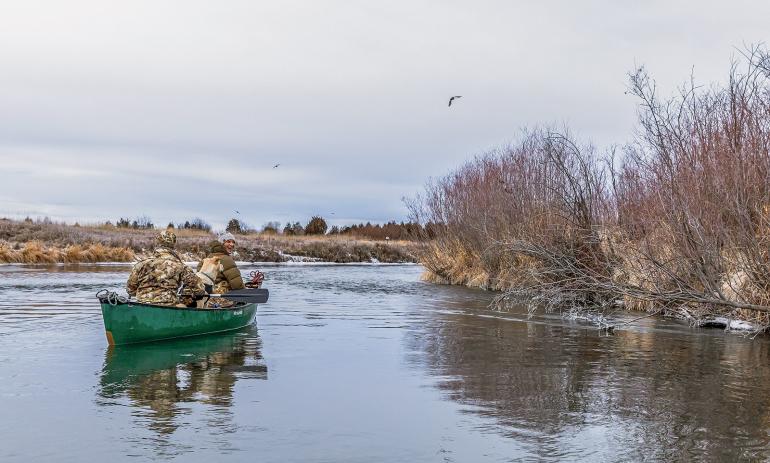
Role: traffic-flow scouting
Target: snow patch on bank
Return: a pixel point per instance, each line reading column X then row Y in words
column 293, row 258
column 728, row 324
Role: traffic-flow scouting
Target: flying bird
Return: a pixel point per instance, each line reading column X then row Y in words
column 450, row 100
column 237, row 212
column 276, row 166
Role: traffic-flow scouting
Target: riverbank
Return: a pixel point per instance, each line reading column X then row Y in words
column 36, row 242
column 675, row 222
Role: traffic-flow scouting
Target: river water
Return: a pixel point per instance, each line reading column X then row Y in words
column 362, row 363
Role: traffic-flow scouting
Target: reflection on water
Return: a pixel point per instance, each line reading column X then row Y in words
column 161, row 379
column 652, row 392
column 368, row 363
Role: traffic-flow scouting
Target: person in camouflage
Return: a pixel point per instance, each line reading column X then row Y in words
column 158, row 279
column 218, row 269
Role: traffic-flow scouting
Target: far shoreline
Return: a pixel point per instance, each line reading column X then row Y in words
column 41, row 242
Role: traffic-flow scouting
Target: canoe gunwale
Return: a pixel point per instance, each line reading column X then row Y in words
column 238, row 306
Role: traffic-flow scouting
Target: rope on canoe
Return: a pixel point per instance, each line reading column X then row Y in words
column 110, row 297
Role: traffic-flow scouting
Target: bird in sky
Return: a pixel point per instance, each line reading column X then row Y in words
column 276, row 166
column 237, row 212
column 450, row 100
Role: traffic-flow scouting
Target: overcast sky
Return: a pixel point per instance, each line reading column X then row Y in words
column 180, row 109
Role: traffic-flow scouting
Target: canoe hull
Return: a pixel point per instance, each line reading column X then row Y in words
column 132, row 322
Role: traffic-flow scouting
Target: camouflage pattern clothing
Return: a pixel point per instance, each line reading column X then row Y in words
column 157, row 279
column 219, row 271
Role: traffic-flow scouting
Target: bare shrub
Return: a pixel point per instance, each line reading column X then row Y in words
column 693, row 194
column 678, row 223
column 525, row 219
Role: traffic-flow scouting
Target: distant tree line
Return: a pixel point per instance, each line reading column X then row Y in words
column 194, row 224
column 145, row 223
column 317, row 226
column 239, row 226
column 389, row 231
column 140, row 223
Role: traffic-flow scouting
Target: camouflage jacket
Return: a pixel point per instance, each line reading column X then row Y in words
column 157, row 279
column 220, row 271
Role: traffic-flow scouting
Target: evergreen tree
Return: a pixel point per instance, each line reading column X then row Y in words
column 234, row 226
column 316, row 226
column 298, row 229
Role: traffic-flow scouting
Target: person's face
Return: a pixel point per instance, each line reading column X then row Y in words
column 229, row 246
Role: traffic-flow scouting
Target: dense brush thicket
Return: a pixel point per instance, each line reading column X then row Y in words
column 678, row 220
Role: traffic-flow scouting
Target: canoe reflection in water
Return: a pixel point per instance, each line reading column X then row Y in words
column 162, row 379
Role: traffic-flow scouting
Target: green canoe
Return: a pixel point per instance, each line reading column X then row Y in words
column 128, row 322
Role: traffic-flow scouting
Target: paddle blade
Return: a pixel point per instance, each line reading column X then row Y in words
column 251, row 295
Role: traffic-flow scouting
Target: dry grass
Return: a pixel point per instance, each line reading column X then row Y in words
column 329, row 248
column 451, row 262
column 45, row 242
column 36, row 252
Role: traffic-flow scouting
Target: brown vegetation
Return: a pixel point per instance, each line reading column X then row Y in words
column 42, row 241
column 338, row 249
column 35, row 252
column 677, row 223
column 316, row 226
column 388, row 231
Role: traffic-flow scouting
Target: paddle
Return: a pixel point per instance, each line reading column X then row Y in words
column 254, row 295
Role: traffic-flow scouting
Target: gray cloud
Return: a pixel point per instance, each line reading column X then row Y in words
column 180, row 109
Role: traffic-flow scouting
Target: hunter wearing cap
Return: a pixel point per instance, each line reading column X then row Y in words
column 218, row 269
column 163, row 278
